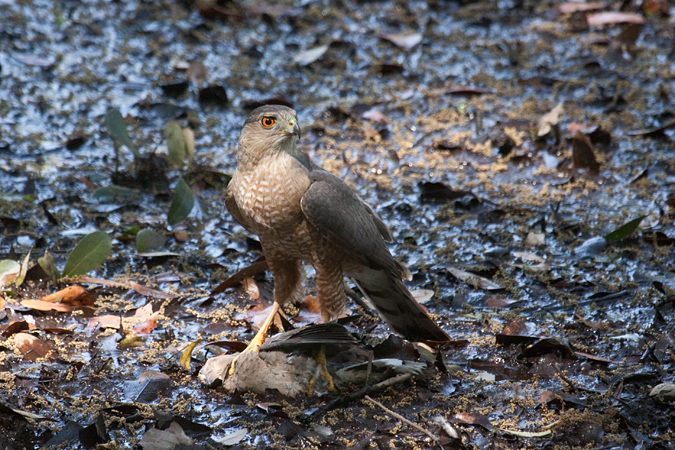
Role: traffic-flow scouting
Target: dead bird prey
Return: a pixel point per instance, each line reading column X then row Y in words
column 301, row 212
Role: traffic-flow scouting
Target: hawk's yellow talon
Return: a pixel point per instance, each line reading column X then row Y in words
column 259, row 339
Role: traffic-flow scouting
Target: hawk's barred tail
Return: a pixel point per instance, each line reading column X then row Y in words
column 398, row 307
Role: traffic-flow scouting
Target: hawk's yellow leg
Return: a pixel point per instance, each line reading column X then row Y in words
column 320, row 359
column 259, row 339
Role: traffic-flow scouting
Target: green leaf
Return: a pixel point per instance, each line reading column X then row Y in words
column 175, row 142
column 88, row 254
column 24, row 269
column 115, row 194
column 9, row 271
column 118, row 130
column 182, row 203
column 149, row 240
column 48, row 265
column 624, row 230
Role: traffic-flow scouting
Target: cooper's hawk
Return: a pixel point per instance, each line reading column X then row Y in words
column 301, row 212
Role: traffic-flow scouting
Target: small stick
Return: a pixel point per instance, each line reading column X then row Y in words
column 404, row 420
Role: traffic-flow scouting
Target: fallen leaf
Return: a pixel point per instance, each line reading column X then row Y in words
column 74, row 295
column 182, row 203
column 118, row 130
column 24, row 269
column 130, row 340
column 29, row 415
column 514, row 328
column 168, row 439
column 46, row 306
column 48, row 265
column 624, row 230
column 496, row 302
column 473, row 279
column 15, row 327
column 88, row 254
column 613, row 17
column 594, row 357
column 422, row 295
column 535, row 239
column 107, row 321
column 249, row 271
column 32, row 347
column 590, row 323
column 526, row 433
column 473, row 419
column 148, row 240
column 9, row 271
column 526, row 256
column 307, row 57
column 251, row 288
column 550, row 119
column 148, row 292
column 583, row 155
column 232, row 438
column 147, row 326
column 186, row 356
column 404, row 41
column 175, row 143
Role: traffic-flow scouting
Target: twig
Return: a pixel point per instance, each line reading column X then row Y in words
column 435, row 438
column 340, row 401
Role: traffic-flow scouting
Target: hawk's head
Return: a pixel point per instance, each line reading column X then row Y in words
column 268, row 130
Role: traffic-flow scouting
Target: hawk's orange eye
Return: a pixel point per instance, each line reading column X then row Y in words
column 267, row 122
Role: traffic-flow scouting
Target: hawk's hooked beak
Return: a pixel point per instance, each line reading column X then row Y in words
column 292, row 129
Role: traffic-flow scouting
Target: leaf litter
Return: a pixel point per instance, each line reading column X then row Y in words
column 582, row 319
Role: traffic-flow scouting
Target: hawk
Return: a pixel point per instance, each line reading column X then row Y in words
column 301, row 212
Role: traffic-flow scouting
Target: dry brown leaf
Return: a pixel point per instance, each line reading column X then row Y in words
column 583, row 154
column 474, row 419
column 147, row 326
column 251, row 288
column 590, row 323
column 514, row 328
column 74, row 295
column 496, row 302
column 40, row 305
column 594, row 357
column 32, row 347
column 15, row 327
column 2, row 302
column 252, row 270
column 144, row 311
column 149, row 292
column 107, row 321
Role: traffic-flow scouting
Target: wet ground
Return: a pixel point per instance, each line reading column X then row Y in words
column 505, row 144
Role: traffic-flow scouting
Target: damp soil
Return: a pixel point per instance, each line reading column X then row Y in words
column 506, row 144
